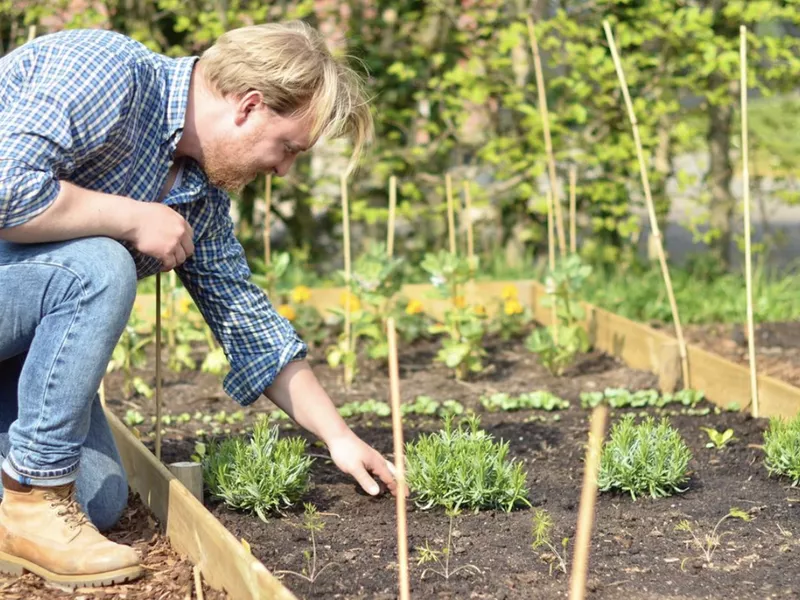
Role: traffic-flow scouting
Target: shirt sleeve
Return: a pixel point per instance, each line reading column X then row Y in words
column 257, row 341
column 63, row 115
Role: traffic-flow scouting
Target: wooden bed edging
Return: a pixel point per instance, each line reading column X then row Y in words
column 639, row 346
column 192, row 530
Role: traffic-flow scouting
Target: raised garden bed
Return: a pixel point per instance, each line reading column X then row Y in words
column 636, row 550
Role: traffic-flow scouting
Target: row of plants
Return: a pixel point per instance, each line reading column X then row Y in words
column 462, row 467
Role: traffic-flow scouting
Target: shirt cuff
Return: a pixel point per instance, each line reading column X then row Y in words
column 251, row 375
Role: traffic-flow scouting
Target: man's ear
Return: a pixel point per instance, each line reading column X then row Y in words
column 247, row 105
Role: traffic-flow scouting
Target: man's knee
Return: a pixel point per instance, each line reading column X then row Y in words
column 109, row 268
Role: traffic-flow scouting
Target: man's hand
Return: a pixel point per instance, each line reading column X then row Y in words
column 162, row 233
column 356, row 458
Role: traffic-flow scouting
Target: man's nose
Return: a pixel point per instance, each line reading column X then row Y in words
column 284, row 167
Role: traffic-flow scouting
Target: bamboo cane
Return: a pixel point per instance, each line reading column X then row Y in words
column 158, row 366
column 650, row 208
column 392, row 209
column 399, row 466
column 268, row 220
column 451, row 221
column 31, row 33
column 573, row 183
column 747, row 247
column 348, row 372
column 548, row 143
column 551, row 253
column 468, row 211
column 583, row 535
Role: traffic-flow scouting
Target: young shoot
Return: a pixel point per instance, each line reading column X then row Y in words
column 542, row 527
column 312, row 522
column 442, row 557
column 707, row 543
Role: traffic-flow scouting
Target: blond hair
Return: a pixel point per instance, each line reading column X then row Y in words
column 291, row 66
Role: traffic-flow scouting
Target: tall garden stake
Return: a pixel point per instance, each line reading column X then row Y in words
column 348, row 371
column 392, row 209
column 158, row 366
column 468, row 215
column 268, row 228
column 650, row 208
column 399, row 466
column 548, row 143
column 573, row 183
column 551, row 254
column 451, row 220
column 751, row 344
column 583, row 535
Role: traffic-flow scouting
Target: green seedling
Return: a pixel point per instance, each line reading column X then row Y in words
column 133, row 418
column 426, row 405
column 718, row 439
column 367, row 407
column 539, row 400
column 312, row 523
column 709, row 542
column 442, row 557
column 542, row 527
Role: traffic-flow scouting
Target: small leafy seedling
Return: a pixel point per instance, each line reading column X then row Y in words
column 644, row 458
column 464, row 467
column 782, row 448
column 313, row 524
column 718, row 439
column 263, row 474
column 540, row 400
column 428, row 554
column 542, row 527
column 709, row 541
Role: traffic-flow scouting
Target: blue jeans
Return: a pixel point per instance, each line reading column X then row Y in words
column 63, row 308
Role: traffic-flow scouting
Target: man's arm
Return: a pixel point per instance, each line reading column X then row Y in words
column 265, row 353
column 76, row 212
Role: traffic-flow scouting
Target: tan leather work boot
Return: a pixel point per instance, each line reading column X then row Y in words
column 43, row 530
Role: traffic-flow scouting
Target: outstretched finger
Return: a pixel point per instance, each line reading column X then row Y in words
column 385, row 472
column 366, row 482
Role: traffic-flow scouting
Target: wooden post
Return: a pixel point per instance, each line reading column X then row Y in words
column 583, row 535
column 348, row 372
column 399, row 466
column 392, row 209
column 551, row 253
column 158, row 366
column 451, row 221
column 650, row 208
column 573, row 183
column 190, row 474
column 468, row 213
column 31, row 33
column 268, row 220
column 102, row 392
column 748, row 268
column 548, row 143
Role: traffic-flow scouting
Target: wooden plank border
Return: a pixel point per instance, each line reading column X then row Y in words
column 192, row 530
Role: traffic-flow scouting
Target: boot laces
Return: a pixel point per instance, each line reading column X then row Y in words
column 69, row 509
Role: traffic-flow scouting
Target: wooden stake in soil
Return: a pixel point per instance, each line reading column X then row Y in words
column 583, row 535
column 751, row 344
column 198, row 582
column 268, row 229
column 548, row 143
column 102, row 392
column 656, row 232
column 451, row 220
column 190, row 474
column 573, row 183
column 551, row 252
column 392, row 209
column 158, row 366
column 468, row 213
column 399, row 464
column 31, row 33
column 348, row 372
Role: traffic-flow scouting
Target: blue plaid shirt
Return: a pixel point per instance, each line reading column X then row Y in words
column 102, row 111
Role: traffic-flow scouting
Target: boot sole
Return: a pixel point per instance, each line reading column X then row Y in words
column 13, row 565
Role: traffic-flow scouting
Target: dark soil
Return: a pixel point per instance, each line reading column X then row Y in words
column 167, row 575
column 635, row 553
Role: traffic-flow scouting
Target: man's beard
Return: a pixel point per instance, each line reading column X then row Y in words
column 222, row 169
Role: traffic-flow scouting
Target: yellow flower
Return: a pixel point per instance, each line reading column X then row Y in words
column 414, row 307
column 509, row 292
column 301, row 294
column 512, row 307
column 479, row 309
column 287, row 312
column 459, row 302
column 185, row 305
column 355, row 304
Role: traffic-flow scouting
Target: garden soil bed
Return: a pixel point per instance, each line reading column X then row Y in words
column 636, row 552
column 167, row 575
